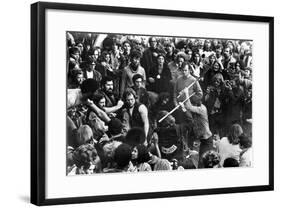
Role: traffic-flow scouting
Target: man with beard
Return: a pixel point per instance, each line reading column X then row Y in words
column 132, row 69
column 112, row 104
column 228, row 58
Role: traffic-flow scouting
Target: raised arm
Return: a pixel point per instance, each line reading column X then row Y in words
column 115, row 108
column 98, row 111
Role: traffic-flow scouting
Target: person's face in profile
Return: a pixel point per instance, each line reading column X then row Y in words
column 101, row 103
column 134, row 153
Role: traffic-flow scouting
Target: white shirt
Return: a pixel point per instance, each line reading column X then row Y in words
column 90, row 75
column 227, row 150
column 246, row 158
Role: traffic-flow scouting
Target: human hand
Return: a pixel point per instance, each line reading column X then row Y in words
column 155, row 139
column 151, row 79
column 120, row 103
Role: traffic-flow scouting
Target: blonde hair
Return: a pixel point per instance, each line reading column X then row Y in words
column 109, row 148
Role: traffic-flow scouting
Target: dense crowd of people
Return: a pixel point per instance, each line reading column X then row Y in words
column 146, row 103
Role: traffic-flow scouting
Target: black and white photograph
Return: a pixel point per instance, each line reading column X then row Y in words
column 146, row 103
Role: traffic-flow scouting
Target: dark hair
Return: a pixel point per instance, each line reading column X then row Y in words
column 115, row 126
column 106, row 79
column 245, row 141
column 196, row 100
column 241, row 63
column 89, row 60
column 210, row 159
column 161, row 54
column 150, row 39
column 135, row 136
column 97, row 97
column 104, row 54
column 129, row 91
column 220, row 66
column 122, row 156
column 181, row 44
column 230, row 50
column 107, row 43
column 205, row 47
column 137, row 76
column 143, row 155
column 135, row 54
column 89, row 85
column 126, row 41
column 162, row 96
column 74, row 50
column 194, row 54
column 230, row 162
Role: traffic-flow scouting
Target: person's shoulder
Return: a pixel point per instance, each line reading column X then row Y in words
column 142, row 107
column 224, row 140
column 141, row 69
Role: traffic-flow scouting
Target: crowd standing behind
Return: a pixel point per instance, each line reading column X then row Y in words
column 119, row 88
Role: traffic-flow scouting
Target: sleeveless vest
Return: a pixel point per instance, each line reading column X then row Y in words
column 135, row 118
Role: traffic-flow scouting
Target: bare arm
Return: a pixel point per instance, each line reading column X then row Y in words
column 144, row 116
column 115, row 108
column 98, row 111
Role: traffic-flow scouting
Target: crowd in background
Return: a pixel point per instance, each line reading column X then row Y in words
column 147, row 103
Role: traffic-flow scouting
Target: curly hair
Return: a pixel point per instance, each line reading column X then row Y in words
column 210, row 159
column 84, row 155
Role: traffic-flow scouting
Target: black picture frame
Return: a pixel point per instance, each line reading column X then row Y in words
column 38, row 102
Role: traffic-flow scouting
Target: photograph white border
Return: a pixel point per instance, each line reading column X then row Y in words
column 58, row 185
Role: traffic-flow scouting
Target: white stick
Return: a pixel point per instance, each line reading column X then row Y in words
column 188, row 87
column 175, row 108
